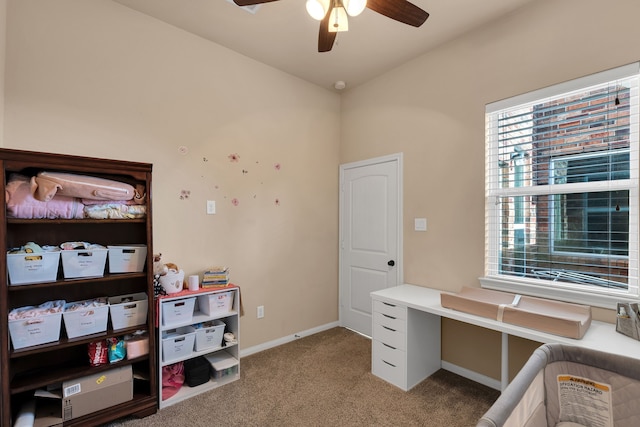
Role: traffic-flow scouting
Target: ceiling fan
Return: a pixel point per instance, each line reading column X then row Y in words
column 332, row 14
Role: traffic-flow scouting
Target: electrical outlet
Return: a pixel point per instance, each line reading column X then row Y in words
column 211, row 207
column 260, row 311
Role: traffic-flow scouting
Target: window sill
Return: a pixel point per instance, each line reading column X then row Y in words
column 594, row 299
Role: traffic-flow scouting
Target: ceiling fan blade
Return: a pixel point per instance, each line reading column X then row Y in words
column 400, row 10
column 251, row 2
column 326, row 38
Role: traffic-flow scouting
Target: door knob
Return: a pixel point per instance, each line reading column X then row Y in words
column 391, row 263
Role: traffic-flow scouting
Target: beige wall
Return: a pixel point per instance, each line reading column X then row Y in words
column 432, row 109
column 96, row 78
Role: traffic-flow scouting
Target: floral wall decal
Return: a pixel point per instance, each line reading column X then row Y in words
column 263, row 175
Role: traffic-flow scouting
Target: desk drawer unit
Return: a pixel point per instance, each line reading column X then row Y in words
column 389, row 363
column 405, row 348
column 395, row 335
column 390, row 310
column 389, row 322
column 389, row 357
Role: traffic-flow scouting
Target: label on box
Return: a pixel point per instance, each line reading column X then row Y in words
column 72, row 389
column 33, row 329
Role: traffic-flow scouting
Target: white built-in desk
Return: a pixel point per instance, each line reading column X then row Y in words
column 406, row 335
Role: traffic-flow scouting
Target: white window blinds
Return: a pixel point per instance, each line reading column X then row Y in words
column 562, row 186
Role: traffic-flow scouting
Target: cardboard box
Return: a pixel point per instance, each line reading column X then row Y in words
column 47, row 413
column 85, row 395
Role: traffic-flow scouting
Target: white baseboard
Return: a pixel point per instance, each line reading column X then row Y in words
column 274, row 343
column 463, row 372
column 474, row 376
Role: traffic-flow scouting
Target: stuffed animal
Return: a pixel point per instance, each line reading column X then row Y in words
column 173, row 280
column 159, row 269
column 172, row 266
column 169, row 278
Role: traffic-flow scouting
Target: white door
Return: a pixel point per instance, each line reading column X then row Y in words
column 370, row 235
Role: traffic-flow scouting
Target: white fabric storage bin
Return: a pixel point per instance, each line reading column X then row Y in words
column 84, row 262
column 127, row 258
column 128, row 310
column 45, row 328
column 33, row 267
column 178, row 312
column 217, row 303
column 209, row 336
column 86, row 320
column 178, row 343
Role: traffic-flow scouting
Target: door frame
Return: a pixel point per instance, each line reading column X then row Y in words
column 398, row 158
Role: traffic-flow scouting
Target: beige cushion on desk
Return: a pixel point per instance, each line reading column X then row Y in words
column 553, row 317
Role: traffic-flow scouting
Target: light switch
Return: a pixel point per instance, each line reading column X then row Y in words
column 420, row 224
column 211, row 207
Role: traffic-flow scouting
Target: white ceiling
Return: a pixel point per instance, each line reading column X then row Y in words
column 283, row 35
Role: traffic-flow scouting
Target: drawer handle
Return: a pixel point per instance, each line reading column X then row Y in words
column 391, row 347
column 389, row 317
column 390, row 305
column 389, row 329
column 390, row 364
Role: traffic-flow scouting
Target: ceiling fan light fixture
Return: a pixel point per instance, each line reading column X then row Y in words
column 338, row 20
column 317, row 9
column 354, row 7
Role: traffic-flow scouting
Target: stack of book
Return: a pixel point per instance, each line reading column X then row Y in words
column 215, row 277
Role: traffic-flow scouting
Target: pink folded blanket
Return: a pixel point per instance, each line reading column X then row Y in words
column 46, row 185
column 22, row 204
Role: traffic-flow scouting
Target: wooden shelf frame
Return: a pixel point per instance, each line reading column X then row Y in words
column 24, row 370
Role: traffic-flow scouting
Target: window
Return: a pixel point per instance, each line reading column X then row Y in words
column 584, row 223
column 562, row 190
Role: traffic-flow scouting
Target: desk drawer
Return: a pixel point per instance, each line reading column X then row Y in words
column 393, row 337
column 389, row 354
column 389, row 321
column 389, row 364
column 393, row 310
